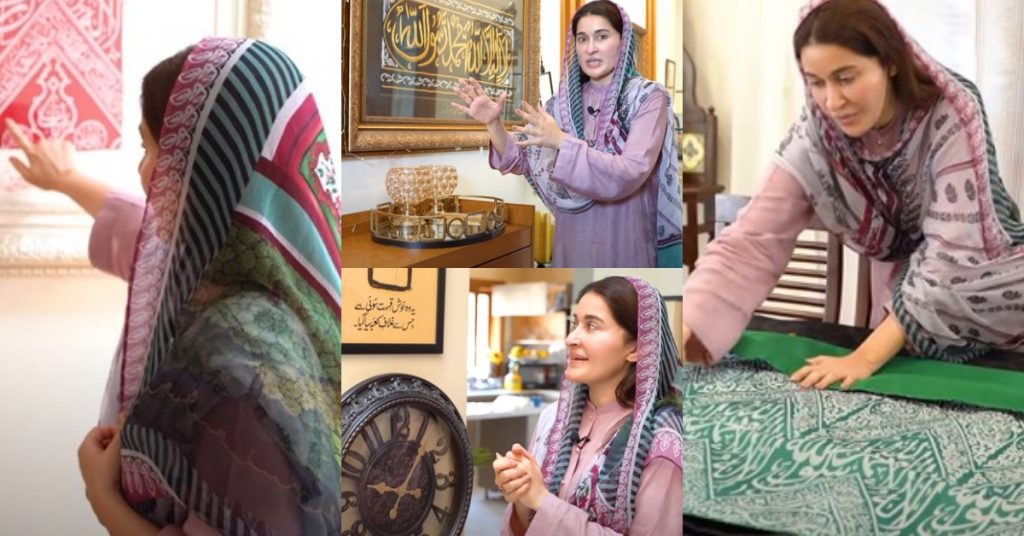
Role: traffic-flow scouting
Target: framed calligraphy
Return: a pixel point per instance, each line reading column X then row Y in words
column 407, row 56
column 392, row 310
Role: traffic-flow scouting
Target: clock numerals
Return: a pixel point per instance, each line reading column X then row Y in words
column 423, row 428
column 399, row 420
column 348, row 500
column 442, row 447
column 445, row 481
column 353, row 465
column 357, row 529
column 371, row 435
column 441, row 514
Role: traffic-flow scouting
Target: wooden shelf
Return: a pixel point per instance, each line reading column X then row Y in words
column 511, row 249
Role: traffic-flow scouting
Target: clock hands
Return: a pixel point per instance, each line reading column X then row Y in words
column 402, row 490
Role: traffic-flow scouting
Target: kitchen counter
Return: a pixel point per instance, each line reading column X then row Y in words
column 476, row 396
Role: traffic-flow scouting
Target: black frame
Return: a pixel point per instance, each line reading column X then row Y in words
column 436, row 347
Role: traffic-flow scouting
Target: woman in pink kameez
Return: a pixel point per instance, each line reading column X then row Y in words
column 601, row 155
column 893, row 153
column 606, row 459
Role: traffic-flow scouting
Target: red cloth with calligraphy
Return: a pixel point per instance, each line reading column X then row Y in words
column 60, row 70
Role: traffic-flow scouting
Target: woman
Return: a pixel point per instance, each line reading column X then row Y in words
column 601, row 151
column 227, row 376
column 607, row 458
column 893, row 153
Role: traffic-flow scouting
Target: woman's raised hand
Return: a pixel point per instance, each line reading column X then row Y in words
column 540, row 129
column 478, row 105
column 50, row 163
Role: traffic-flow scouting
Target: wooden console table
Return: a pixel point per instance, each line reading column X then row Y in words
column 511, row 249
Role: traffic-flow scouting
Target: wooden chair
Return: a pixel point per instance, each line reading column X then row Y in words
column 698, row 153
column 811, row 286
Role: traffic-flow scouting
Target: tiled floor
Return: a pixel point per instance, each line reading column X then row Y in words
column 485, row 515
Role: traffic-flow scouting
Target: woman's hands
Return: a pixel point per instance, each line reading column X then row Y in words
column 822, row 371
column 694, row 350
column 50, row 162
column 50, row 167
column 99, row 459
column 478, row 105
column 519, row 478
column 882, row 345
column 541, row 127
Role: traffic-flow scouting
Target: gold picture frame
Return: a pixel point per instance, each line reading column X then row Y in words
column 405, row 57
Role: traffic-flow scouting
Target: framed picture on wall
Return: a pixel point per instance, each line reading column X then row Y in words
column 392, row 311
column 405, row 58
column 670, row 76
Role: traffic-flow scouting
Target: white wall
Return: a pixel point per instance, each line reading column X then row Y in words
column 745, row 69
column 447, row 371
column 58, row 336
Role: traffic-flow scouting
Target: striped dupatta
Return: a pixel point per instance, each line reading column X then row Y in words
column 654, row 430
column 621, row 103
column 934, row 202
column 230, row 364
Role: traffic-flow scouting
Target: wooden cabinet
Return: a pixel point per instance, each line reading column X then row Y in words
column 511, row 249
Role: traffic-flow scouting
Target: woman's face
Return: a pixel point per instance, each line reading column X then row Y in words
column 854, row 91
column 148, row 161
column 597, row 48
column 600, row 350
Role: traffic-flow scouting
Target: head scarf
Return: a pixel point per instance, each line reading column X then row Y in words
column 961, row 287
column 621, row 102
column 654, row 430
column 229, row 367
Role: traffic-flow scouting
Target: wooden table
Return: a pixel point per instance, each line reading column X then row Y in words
column 511, row 249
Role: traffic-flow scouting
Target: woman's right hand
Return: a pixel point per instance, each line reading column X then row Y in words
column 478, row 105
column 511, row 480
column 694, row 350
column 50, row 165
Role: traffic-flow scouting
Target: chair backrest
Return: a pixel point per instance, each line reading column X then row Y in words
column 811, row 286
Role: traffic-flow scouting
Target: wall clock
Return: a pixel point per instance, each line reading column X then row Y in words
column 406, row 461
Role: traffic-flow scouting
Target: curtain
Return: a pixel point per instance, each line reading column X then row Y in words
column 982, row 40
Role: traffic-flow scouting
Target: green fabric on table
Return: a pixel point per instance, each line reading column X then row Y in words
column 759, row 451
column 917, row 378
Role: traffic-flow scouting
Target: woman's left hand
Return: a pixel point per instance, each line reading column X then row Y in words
column 822, row 371
column 535, row 491
column 99, row 459
column 541, row 127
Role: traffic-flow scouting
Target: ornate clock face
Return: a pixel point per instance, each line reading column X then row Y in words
column 406, row 468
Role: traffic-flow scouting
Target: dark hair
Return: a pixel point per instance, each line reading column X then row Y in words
column 601, row 8
column 864, row 27
column 156, row 89
column 620, row 295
